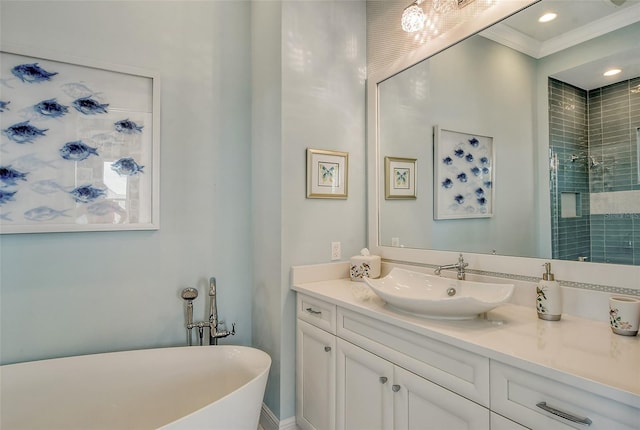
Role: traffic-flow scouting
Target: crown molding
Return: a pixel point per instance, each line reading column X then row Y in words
column 516, row 40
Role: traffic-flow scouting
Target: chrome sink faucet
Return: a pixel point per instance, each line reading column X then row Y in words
column 460, row 265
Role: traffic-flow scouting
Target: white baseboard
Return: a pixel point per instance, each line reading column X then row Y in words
column 268, row 421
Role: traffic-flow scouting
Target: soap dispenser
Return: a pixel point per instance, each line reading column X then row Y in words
column 549, row 296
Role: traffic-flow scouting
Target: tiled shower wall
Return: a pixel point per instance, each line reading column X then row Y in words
column 594, row 135
column 569, row 178
column 614, row 117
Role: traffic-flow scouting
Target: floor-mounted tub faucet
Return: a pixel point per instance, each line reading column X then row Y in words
column 189, row 295
column 460, row 265
column 214, row 333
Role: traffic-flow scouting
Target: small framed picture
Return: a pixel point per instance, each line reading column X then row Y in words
column 327, row 174
column 400, row 178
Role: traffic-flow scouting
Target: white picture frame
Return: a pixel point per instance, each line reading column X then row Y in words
column 464, row 172
column 80, row 145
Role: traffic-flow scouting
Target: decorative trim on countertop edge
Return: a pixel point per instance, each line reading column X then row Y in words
column 534, row 279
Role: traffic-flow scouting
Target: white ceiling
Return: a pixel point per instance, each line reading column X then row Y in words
column 572, row 16
column 577, row 21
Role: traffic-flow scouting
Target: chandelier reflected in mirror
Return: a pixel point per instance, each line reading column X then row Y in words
column 413, row 16
column 444, row 6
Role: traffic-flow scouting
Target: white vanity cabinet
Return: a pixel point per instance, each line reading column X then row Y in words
column 539, row 402
column 344, row 386
column 457, row 370
column 421, row 404
column 364, row 397
column 315, row 365
column 362, row 367
column 498, row 422
column 375, row 394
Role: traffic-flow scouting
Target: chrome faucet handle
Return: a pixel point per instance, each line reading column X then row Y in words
column 461, row 265
column 224, row 332
column 219, row 334
column 462, row 262
column 200, row 331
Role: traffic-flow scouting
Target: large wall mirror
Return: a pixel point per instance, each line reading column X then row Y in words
column 536, row 152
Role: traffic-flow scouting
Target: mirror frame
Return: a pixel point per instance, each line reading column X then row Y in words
column 570, row 272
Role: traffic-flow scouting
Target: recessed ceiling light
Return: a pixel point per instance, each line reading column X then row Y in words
column 612, row 72
column 550, row 16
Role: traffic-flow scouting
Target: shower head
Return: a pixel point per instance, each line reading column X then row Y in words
column 593, row 163
column 189, row 294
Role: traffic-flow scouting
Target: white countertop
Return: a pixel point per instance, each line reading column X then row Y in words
column 576, row 351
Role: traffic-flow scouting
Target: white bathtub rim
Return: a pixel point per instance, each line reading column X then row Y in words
column 128, row 351
column 263, row 374
column 255, row 361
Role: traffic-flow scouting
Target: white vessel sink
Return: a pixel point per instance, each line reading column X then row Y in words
column 437, row 297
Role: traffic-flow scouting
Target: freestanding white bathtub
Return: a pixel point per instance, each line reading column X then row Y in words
column 208, row 387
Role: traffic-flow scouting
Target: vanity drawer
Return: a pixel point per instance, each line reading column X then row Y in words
column 523, row 397
column 463, row 372
column 317, row 312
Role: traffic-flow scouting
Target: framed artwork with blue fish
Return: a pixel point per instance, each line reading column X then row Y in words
column 327, row 174
column 464, row 172
column 400, row 178
column 79, row 145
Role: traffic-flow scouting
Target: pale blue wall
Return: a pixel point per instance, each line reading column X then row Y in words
column 267, row 194
column 309, row 68
column 323, row 106
column 232, row 180
column 75, row 293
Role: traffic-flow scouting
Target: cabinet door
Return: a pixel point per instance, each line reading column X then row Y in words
column 364, row 396
column 315, row 377
column 421, row 405
column 498, row 422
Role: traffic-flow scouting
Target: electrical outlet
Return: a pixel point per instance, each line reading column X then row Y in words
column 336, row 252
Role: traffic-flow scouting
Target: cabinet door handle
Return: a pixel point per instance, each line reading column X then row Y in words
column 313, row 311
column 562, row 414
column 327, row 348
column 395, row 388
column 383, row 379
